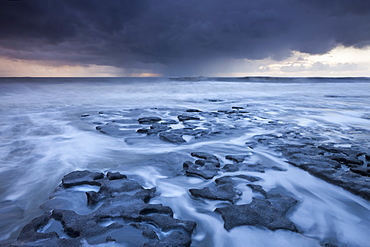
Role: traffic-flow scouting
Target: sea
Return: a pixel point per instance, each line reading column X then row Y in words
column 48, row 128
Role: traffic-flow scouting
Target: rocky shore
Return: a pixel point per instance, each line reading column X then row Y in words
column 97, row 208
column 339, row 156
column 118, row 212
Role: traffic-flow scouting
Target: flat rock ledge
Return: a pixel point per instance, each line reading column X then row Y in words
column 269, row 211
column 347, row 167
column 119, row 212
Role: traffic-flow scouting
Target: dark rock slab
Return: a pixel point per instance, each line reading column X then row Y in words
column 204, row 155
column 230, row 168
column 29, row 233
column 155, row 129
column 207, row 166
column 206, row 171
column 353, row 182
column 120, row 200
column 193, row 110
column 174, row 239
column 224, row 190
column 111, row 130
column 142, row 131
column 249, row 178
column 187, row 117
column 268, row 212
column 330, row 245
column 237, row 158
column 149, row 120
column 337, row 165
column 367, row 157
column 82, row 177
column 255, row 167
column 364, row 171
column 348, row 161
column 206, row 158
column 172, row 137
column 115, row 175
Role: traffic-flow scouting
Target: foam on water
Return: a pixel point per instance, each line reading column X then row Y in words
column 42, row 138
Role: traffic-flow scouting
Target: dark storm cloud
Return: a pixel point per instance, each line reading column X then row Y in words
column 183, row 33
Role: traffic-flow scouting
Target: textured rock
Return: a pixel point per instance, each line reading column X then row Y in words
column 82, row 177
column 207, row 171
column 269, row 212
column 111, row 130
column 207, row 166
column 149, row 120
column 122, row 202
column 326, row 162
column 364, row 171
column 236, row 158
column 115, row 175
column 187, row 117
column 193, row 110
column 223, row 191
column 172, row 137
column 158, row 127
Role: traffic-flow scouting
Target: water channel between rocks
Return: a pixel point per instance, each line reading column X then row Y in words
column 202, row 163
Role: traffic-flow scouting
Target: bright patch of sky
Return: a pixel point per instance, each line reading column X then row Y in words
column 339, row 62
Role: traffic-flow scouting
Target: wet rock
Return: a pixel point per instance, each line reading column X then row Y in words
column 353, row 182
column 187, row 117
column 204, row 155
column 81, row 225
column 82, row 177
column 230, row 168
column 364, row 171
column 269, row 212
column 207, row 171
column 172, row 137
column 120, row 200
column 207, row 166
column 236, row 158
column 149, row 120
column 249, row 178
column 348, row 161
column 158, row 127
column 174, row 239
column 330, row 245
column 111, row 130
column 329, row 163
column 142, row 131
column 167, row 223
column 224, row 190
column 29, row 233
column 193, row 110
column 206, row 159
column 258, row 189
column 147, row 231
column 255, row 167
column 115, row 175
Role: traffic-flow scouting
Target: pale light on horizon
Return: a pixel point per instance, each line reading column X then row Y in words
column 339, row 62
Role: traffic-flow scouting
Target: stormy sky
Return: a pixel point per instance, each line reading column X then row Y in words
column 183, row 37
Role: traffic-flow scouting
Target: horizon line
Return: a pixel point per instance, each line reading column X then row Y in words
column 190, row 77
